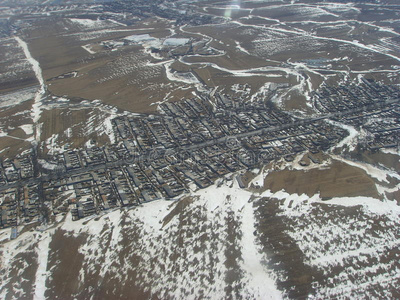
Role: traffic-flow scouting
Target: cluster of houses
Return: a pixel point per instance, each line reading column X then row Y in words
column 344, row 98
column 20, row 205
column 190, row 144
column 369, row 106
column 18, row 168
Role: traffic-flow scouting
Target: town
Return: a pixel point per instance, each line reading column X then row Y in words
column 188, row 145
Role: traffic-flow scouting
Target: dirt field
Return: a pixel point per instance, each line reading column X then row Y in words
column 113, row 77
column 72, row 127
column 337, row 180
column 14, row 140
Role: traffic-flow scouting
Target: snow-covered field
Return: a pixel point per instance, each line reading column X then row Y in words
column 18, row 97
column 177, row 249
column 212, row 244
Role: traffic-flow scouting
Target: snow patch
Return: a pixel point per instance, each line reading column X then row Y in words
column 88, row 23
column 43, row 250
column 175, row 42
column 15, row 98
column 372, row 171
column 88, row 49
column 36, row 107
column 27, row 128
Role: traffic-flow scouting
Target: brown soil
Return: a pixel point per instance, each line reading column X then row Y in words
column 283, row 253
column 247, row 177
column 14, row 143
column 285, row 257
column 57, row 121
column 12, row 146
column 115, row 77
column 339, row 180
column 388, row 160
column 66, row 260
column 23, row 274
column 233, row 256
column 177, row 210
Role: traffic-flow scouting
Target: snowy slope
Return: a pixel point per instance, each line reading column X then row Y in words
column 220, row 242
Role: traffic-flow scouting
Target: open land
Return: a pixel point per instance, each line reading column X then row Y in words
column 202, row 149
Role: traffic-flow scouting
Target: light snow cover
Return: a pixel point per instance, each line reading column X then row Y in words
column 375, row 172
column 45, row 164
column 100, row 120
column 91, row 24
column 347, row 243
column 184, row 77
column 175, row 41
column 18, row 97
column 9, row 251
column 88, row 49
column 252, row 259
column 96, row 33
column 351, row 140
column 240, row 48
column 210, row 209
column 314, row 37
column 27, row 128
column 140, row 38
column 53, row 145
column 339, row 233
column 207, row 244
column 36, row 107
column 177, row 245
column 42, row 258
column 375, row 206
